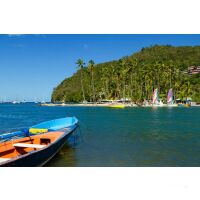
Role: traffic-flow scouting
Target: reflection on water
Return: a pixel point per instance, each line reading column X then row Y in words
column 112, row 137
column 65, row 157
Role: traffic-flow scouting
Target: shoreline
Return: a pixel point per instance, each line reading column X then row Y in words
column 87, row 105
column 105, row 105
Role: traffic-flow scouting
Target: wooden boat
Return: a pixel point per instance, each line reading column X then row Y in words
column 48, row 126
column 34, row 150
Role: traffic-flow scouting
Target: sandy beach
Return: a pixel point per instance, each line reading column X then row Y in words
column 88, row 104
column 99, row 105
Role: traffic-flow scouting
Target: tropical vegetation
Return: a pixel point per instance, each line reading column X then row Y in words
column 134, row 77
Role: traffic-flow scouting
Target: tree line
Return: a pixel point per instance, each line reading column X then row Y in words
column 134, row 77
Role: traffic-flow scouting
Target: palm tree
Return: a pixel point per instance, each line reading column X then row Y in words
column 187, row 88
column 125, row 68
column 132, row 62
column 158, row 73
column 176, row 77
column 115, row 77
column 91, row 70
column 106, row 75
column 80, row 66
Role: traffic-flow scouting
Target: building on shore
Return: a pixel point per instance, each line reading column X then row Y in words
column 193, row 70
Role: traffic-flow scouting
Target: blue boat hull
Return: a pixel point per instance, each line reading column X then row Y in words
column 41, row 157
column 53, row 125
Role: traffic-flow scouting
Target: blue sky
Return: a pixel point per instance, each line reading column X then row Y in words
column 32, row 65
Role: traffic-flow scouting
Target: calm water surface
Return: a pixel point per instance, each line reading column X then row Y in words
column 112, row 137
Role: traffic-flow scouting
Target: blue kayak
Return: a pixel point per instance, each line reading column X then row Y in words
column 48, row 126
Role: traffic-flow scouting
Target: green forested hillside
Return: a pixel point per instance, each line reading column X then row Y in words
column 134, row 76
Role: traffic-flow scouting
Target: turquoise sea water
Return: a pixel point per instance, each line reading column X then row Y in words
column 118, row 137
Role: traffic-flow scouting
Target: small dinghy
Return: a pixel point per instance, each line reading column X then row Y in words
column 38, row 149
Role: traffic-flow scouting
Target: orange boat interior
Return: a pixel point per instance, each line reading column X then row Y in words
column 14, row 148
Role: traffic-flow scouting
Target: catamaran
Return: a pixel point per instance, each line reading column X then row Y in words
column 170, row 99
column 155, row 102
column 155, row 99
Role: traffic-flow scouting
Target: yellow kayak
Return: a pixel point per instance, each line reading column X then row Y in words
column 117, row 106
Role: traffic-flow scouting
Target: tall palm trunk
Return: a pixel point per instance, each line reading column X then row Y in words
column 80, row 64
column 91, row 70
column 124, row 92
column 107, row 89
column 93, row 89
column 83, row 92
column 131, row 87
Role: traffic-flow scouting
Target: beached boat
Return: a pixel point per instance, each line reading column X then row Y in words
column 48, row 126
column 116, row 106
column 183, row 105
column 186, row 102
column 156, row 102
column 170, row 99
column 35, row 150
